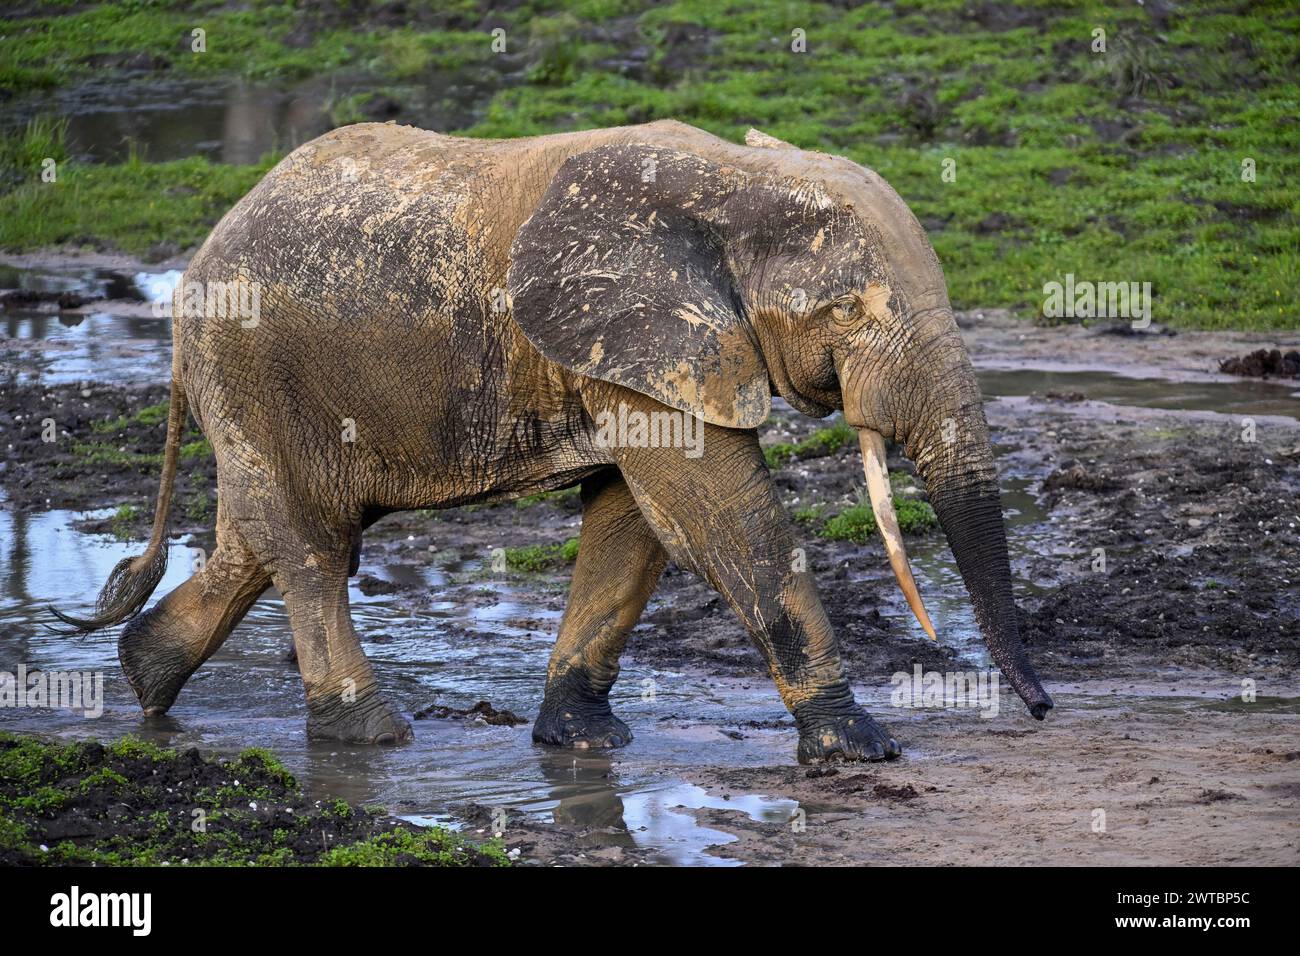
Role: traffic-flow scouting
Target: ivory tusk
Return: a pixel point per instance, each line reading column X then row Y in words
column 882, row 504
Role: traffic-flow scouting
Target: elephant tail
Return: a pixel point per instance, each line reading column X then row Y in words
column 134, row 579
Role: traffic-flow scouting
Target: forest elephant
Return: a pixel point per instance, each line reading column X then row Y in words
column 394, row 319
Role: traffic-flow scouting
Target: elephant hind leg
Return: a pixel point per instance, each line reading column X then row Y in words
column 343, row 698
column 161, row 648
column 619, row 563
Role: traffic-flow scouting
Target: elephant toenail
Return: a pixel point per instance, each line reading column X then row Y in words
column 386, row 739
column 615, row 741
column 877, row 750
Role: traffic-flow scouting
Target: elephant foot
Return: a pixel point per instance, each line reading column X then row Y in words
column 155, row 667
column 853, row 736
column 581, row 731
column 578, row 719
column 369, row 720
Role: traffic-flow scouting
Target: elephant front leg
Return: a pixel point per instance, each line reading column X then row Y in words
column 799, row 647
column 619, row 563
column 719, row 515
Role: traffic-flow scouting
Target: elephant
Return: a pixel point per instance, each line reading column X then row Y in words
column 426, row 321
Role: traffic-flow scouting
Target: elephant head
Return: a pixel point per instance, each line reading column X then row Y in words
column 711, row 282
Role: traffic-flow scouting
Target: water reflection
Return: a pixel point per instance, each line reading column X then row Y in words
column 248, row 695
column 237, row 124
column 1239, row 396
column 240, row 123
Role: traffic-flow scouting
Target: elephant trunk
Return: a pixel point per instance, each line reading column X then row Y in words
column 953, row 454
column 971, row 517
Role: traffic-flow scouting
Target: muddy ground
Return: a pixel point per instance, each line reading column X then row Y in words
column 1164, row 572
column 131, row 803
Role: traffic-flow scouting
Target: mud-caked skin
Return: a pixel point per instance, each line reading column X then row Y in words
column 575, row 716
column 154, row 670
column 363, row 717
column 619, row 562
column 834, row 727
column 394, row 319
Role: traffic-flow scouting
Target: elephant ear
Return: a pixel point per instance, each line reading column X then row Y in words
column 620, row 275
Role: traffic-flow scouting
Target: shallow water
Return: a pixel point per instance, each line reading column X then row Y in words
column 1236, row 396
column 456, row 652
column 164, row 118
column 136, row 348
column 453, row 652
column 122, row 344
column 247, row 694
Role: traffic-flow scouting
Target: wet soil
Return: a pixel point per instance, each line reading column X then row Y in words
column 998, row 340
column 1264, row 363
column 1157, row 560
column 1119, row 774
column 105, row 454
column 483, row 711
column 1181, row 538
column 133, row 803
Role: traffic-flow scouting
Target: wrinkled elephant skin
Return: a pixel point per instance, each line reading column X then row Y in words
column 395, row 319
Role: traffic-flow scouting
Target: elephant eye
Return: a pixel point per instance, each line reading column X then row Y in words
column 848, row 309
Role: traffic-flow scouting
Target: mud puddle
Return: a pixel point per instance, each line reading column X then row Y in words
column 448, row 652
column 1198, row 528
column 1228, row 395
column 163, row 119
column 115, row 336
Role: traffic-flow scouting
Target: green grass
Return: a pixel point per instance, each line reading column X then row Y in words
column 130, row 207
column 105, row 453
column 431, row 847
column 123, row 518
column 242, row 39
column 1116, row 166
column 23, row 153
column 539, row 557
column 150, row 415
column 824, row 441
column 112, row 445
column 858, row 522
column 253, row 813
column 200, row 508
column 563, row 496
